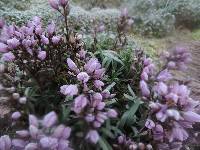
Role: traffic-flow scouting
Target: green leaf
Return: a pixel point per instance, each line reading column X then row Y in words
column 129, row 97
column 111, row 56
column 104, row 144
column 110, row 86
column 108, row 133
column 131, row 91
column 129, row 113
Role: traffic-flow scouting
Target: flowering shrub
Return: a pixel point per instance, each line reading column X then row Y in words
column 55, row 76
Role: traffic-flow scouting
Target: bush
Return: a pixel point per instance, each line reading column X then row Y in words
column 66, row 90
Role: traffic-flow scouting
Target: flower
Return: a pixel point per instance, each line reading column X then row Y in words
column 191, row 116
column 69, row 90
column 16, row 115
column 63, row 2
column 164, row 75
column 33, row 120
column 42, row 55
column 93, row 136
column 112, row 113
column 92, row 65
column 3, row 48
column 150, row 124
column 54, row 4
column 72, row 66
column 62, row 132
column 44, row 40
column 5, row 142
column 98, row 84
column 49, row 143
column 56, row 39
column 49, row 119
column 51, row 28
column 2, row 23
column 83, row 76
column 161, row 88
column 13, row 43
column 8, row 57
column 80, row 102
column 144, row 88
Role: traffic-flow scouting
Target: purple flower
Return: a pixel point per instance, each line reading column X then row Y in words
column 164, row 75
column 13, row 43
column 171, row 65
column 83, row 77
column 54, row 4
column 99, row 73
column 147, row 61
column 50, row 119
column 80, row 103
column 2, row 23
column 42, row 55
column 63, row 145
column 33, row 131
column 124, row 12
column 161, row 88
column 62, row 132
column 150, row 124
column 82, row 53
column 92, row 65
column 89, row 118
column 33, row 121
column 38, row 30
column 178, row 133
column 18, row 143
column 49, row 143
column 22, row 133
column 51, row 28
column 173, row 113
column 16, row 115
column 172, row 97
column 63, row 2
column 144, row 88
column 72, row 66
column 3, row 48
column 112, row 113
column 44, row 40
column 8, row 57
column 101, row 28
column 5, row 142
column 130, row 22
column 56, row 39
column 31, row 146
column 69, row 90
column 144, row 76
column 98, row 84
column 191, row 116
column 93, row 136
column 158, row 132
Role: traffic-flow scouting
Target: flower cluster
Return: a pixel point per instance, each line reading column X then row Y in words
column 89, row 98
column 172, row 110
column 41, row 134
column 126, row 143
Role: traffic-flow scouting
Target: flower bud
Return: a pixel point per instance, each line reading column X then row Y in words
column 83, row 77
column 96, row 124
column 144, row 88
column 72, row 66
column 42, row 55
column 49, row 143
column 22, row 133
column 89, row 118
column 112, row 113
column 8, row 57
column 2, row 23
column 63, row 2
column 3, row 48
column 22, row 100
column 69, row 90
column 33, row 121
column 54, row 4
column 33, row 131
column 150, row 124
column 56, row 39
column 124, row 12
column 93, row 136
column 16, row 115
column 13, row 43
column 51, row 28
column 18, row 143
column 5, row 142
column 98, row 84
column 44, row 40
column 31, row 146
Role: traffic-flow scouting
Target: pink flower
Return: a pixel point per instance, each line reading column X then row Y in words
column 13, row 43
column 93, row 136
column 54, row 4
column 80, row 103
column 112, row 113
column 3, row 48
column 49, row 119
column 16, row 115
column 72, row 66
column 144, row 88
column 42, row 55
column 8, row 57
column 5, row 142
column 69, row 90
column 83, row 77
